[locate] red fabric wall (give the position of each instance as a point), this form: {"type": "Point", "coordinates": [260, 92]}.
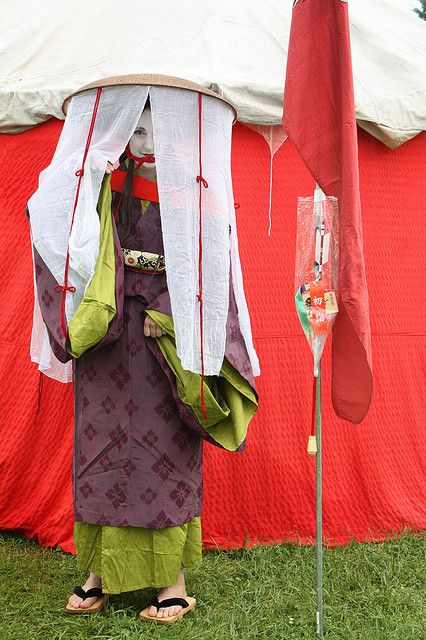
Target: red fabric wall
{"type": "Point", "coordinates": [373, 473]}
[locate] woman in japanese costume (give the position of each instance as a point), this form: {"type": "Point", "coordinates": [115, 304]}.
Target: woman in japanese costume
{"type": "Point", "coordinates": [139, 300]}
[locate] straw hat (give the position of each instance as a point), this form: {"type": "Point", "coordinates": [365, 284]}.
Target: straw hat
{"type": "Point", "coordinates": [148, 79]}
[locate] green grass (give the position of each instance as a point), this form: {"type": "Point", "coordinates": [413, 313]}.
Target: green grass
{"type": "Point", "coordinates": [372, 591]}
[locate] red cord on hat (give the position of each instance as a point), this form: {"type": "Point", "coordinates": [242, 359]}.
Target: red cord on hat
{"type": "Point", "coordinates": [139, 160]}
{"type": "Point", "coordinates": [80, 173]}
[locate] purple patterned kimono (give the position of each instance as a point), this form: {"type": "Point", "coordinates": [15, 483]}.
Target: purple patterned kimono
{"type": "Point", "coordinates": [137, 448]}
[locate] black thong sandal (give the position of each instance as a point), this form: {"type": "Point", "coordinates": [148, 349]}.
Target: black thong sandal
{"type": "Point", "coordinates": [90, 593]}
{"type": "Point", "coordinates": [187, 604]}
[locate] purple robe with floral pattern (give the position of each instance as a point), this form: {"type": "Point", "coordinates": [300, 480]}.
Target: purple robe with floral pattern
{"type": "Point", "coordinates": [137, 448]}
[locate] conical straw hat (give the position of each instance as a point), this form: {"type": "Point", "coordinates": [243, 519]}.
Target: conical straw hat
{"type": "Point", "coordinates": [149, 79]}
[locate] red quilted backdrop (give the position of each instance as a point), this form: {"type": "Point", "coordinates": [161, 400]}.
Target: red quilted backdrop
{"type": "Point", "coordinates": [374, 476]}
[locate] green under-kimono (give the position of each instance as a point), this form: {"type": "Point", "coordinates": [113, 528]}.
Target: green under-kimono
{"type": "Point", "coordinates": [133, 557]}
{"type": "Point", "coordinates": [130, 558]}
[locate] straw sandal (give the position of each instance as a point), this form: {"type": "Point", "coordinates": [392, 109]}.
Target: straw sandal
{"type": "Point", "coordinates": [90, 593]}
{"type": "Point", "coordinates": [186, 603]}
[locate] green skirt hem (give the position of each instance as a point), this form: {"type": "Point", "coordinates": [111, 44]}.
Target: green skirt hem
{"type": "Point", "coordinates": [136, 586]}
{"type": "Point", "coordinates": [131, 558]}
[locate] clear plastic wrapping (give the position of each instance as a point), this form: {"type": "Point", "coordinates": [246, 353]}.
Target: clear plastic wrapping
{"type": "Point", "coordinates": [317, 269]}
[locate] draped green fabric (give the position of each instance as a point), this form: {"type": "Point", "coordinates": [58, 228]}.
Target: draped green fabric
{"type": "Point", "coordinates": [90, 322]}
{"type": "Point", "coordinates": [130, 558]}
{"type": "Point", "coordinates": [230, 400]}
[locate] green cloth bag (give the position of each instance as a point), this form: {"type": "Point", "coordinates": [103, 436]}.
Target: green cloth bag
{"type": "Point", "coordinates": [230, 400]}
{"type": "Point", "coordinates": [92, 317]}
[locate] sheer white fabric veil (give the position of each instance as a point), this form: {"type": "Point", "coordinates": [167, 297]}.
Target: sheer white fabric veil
{"type": "Point", "coordinates": [175, 121]}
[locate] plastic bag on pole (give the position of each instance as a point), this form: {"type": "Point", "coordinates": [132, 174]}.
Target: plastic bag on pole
{"type": "Point", "coordinates": [317, 269]}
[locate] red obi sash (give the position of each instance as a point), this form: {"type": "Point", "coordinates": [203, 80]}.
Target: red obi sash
{"type": "Point", "coordinates": [142, 188]}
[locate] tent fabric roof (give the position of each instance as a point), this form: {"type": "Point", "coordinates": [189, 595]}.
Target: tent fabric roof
{"type": "Point", "coordinates": [237, 49]}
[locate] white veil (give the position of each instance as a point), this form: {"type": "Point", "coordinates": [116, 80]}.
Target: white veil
{"type": "Point", "coordinates": [175, 115]}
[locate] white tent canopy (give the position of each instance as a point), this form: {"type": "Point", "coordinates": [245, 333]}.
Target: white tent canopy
{"type": "Point", "coordinates": [236, 47]}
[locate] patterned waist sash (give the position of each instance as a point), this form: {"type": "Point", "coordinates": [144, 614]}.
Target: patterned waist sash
{"type": "Point", "coordinates": [143, 262]}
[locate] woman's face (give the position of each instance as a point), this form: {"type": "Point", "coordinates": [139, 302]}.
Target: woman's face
{"type": "Point", "coordinates": [142, 141]}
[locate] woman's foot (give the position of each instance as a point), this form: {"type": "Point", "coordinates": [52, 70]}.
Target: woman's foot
{"type": "Point", "coordinates": [177, 590]}
{"type": "Point", "coordinates": [92, 581]}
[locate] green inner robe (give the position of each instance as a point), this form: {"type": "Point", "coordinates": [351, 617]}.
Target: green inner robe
{"type": "Point", "coordinates": [129, 558]}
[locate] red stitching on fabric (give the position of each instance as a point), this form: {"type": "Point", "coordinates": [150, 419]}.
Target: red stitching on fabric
{"type": "Point", "coordinates": [202, 183]}
{"type": "Point", "coordinates": [80, 173]}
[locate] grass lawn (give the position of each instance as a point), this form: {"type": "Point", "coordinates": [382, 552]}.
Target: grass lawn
{"type": "Point", "coordinates": [371, 592]}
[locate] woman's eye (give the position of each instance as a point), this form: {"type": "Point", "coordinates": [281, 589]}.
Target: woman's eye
{"type": "Point", "coordinates": [139, 132]}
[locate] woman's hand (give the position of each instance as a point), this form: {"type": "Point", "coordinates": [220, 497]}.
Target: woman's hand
{"type": "Point", "coordinates": [151, 328]}
{"type": "Point", "coordinates": [110, 167]}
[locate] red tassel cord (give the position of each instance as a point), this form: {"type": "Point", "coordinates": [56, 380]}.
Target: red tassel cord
{"type": "Point", "coordinates": [80, 173]}
{"type": "Point", "coordinates": [312, 440]}
{"type": "Point", "coordinates": [202, 183]}
{"type": "Point", "coordinates": [314, 406]}
{"type": "Point", "coordinates": [139, 160]}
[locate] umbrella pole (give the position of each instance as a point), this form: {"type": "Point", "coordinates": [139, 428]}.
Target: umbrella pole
{"type": "Point", "coordinates": [319, 499]}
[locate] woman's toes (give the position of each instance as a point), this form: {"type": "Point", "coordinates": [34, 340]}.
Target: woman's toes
{"type": "Point", "coordinates": [87, 602]}
{"type": "Point", "coordinates": [164, 612]}
{"type": "Point", "coordinates": [74, 601]}
{"type": "Point", "coordinates": [167, 612]}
